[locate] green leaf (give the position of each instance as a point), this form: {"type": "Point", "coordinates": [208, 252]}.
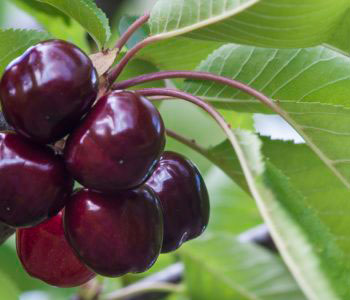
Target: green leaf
{"type": "Point", "coordinates": [139, 67]}
{"type": "Point", "coordinates": [231, 209]}
{"type": "Point", "coordinates": [339, 39]}
{"type": "Point", "coordinates": [3, 8]}
{"type": "Point", "coordinates": [219, 267]}
{"type": "Point", "coordinates": [313, 75]}
{"type": "Point", "coordinates": [266, 23]}
{"type": "Point", "coordinates": [326, 197]}
{"type": "Point", "coordinates": [238, 120]}
{"type": "Point", "coordinates": [178, 17]}
{"type": "Point", "coordinates": [54, 21]}
{"type": "Point", "coordinates": [179, 116]}
{"type": "Point", "coordinates": [315, 256]}
{"type": "Point", "coordinates": [14, 42]}
{"type": "Point", "coordinates": [178, 297]}
{"type": "Point", "coordinates": [178, 53]}
{"type": "Point", "coordinates": [223, 157]}
{"type": "Point", "coordinates": [8, 289]}
{"type": "Point", "coordinates": [137, 7]}
{"type": "Point", "coordinates": [88, 15]}
{"type": "Point", "coordinates": [311, 85]}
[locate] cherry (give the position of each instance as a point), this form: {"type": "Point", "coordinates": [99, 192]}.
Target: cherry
{"type": "Point", "coordinates": [5, 233]}
{"type": "Point", "coordinates": [47, 90]}
{"type": "Point", "coordinates": [34, 183]}
{"type": "Point", "coordinates": [118, 144]}
{"type": "Point", "coordinates": [115, 234]}
{"type": "Point", "coordinates": [45, 254]}
{"type": "Point", "coordinates": [183, 197]}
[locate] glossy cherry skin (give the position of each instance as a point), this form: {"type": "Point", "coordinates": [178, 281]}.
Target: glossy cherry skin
{"type": "Point", "coordinates": [115, 235]}
{"type": "Point", "coordinates": [183, 197]}
{"type": "Point", "coordinates": [118, 143]}
{"type": "Point", "coordinates": [45, 92]}
{"type": "Point", "coordinates": [5, 232]}
{"type": "Point", "coordinates": [34, 183]}
{"type": "Point", "coordinates": [45, 254]}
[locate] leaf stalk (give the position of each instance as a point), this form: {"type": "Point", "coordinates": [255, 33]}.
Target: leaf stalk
{"type": "Point", "coordinates": [130, 31]}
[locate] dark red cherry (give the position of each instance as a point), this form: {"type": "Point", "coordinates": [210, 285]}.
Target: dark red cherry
{"type": "Point", "coordinates": [118, 234]}
{"type": "Point", "coordinates": [45, 254]}
{"type": "Point", "coordinates": [5, 233]}
{"type": "Point", "coordinates": [47, 90]}
{"type": "Point", "coordinates": [34, 184]}
{"type": "Point", "coordinates": [118, 143]}
{"type": "Point", "coordinates": [183, 197]}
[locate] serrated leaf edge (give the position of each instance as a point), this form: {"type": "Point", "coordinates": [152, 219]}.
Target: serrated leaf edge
{"type": "Point", "coordinates": [253, 181]}
{"type": "Point", "coordinates": [101, 16]}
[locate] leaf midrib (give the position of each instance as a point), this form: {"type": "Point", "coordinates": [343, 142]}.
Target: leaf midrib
{"type": "Point", "coordinates": [205, 23]}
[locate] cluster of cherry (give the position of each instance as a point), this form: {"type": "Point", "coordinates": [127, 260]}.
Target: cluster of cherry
{"type": "Point", "coordinates": [137, 200]}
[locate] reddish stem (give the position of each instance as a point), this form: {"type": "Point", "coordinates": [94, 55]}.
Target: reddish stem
{"type": "Point", "coordinates": [221, 122]}
{"type": "Point", "coordinates": [185, 96]}
{"type": "Point", "coordinates": [131, 30]}
{"type": "Point", "coordinates": [197, 101]}
{"type": "Point", "coordinates": [118, 69]}
{"type": "Point", "coordinates": [200, 76]}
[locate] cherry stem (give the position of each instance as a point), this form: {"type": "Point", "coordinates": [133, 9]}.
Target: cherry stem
{"type": "Point", "coordinates": [193, 99]}
{"type": "Point", "coordinates": [118, 69]}
{"type": "Point", "coordinates": [213, 112]}
{"type": "Point", "coordinates": [131, 30]}
{"type": "Point", "coordinates": [200, 76]}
